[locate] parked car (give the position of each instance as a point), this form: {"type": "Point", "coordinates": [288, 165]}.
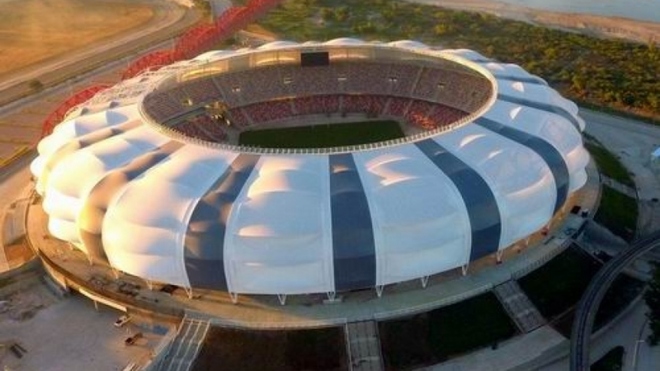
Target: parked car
{"type": "Point", "coordinates": [121, 321]}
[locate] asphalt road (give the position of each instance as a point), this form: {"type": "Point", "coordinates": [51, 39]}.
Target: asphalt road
{"type": "Point", "coordinates": [632, 142]}
{"type": "Point", "coordinates": [588, 306]}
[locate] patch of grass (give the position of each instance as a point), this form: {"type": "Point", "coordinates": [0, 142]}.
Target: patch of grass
{"type": "Point", "coordinates": [618, 213]}
{"type": "Point", "coordinates": [611, 361]}
{"type": "Point", "coordinates": [232, 349]}
{"type": "Point", "coordinates": [557, 286]}
{"type": "Point", "coordinates": [323, 136]}
{"type": "Point", "coordinates": [6, 282]}
{"type": "Point", "coordinates": [618, 297]}
{"type": "Point", "coordinates": [446, 332]}
{"type": "Point", "coordinates": [622, 292]}
{"type": "Point", "coordinates": [609, 165]}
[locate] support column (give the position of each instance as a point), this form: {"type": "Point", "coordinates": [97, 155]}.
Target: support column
{"type": "Point", "coordinates": [189, 292]}
{"type": "Point", "coordinates": [425, 281]}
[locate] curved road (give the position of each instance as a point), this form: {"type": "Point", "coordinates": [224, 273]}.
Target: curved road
{"type": "Point", "coordinates": [588, 306]}
{"type": "Point", "coordinates": [169, 20]}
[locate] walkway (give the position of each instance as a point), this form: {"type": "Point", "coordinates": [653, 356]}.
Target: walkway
{"type": "Point", "coordinates": [15, 188]}
{"type": "Point", "coordinates": [186, 345]}
{"type": "Point", "coordinates": [364, 346]}
{"type": "Point", "coordinates": [516, 303]}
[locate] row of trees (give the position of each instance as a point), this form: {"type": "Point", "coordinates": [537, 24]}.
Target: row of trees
{"type": "Point", "coordinates": [652, 298]}
{"type": "Point", "coordinates": [602, 72]}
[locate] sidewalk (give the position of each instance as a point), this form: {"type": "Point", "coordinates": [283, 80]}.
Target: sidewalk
{"type": "Point", "coordinates": [14, 251]}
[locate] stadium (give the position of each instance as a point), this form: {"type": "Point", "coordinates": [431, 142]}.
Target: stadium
{"type": "Point", "coordinates": [462, 157]}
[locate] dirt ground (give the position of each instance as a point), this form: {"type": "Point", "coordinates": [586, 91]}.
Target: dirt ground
{"type": "Point", "coordinates": [37, 320]}
{"type": "Point", "coordinates": [35, 30]}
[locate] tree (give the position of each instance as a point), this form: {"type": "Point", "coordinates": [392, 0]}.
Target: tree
{"type": "Point", "coordinates": [204, 6]}
{"type": "Point", "coordinates": [652, 298]}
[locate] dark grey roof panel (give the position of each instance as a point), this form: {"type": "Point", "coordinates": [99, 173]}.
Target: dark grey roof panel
{"type": "Point", "coordinates": [543, 107]}
{"type": "Point", "coordinates": [547, 151]}
{"type": "Point", "coordinates": [484, 215]}
{"type": "Point", "coordinates": [204, 241]}
{"type": "Point", "coordinates": [353, 246]}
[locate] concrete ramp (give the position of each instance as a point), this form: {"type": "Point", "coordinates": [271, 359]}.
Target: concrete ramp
{"type": "Point", "coordinates": [363, 343]}
{"type": "Point", "coordinates": [186, 345]}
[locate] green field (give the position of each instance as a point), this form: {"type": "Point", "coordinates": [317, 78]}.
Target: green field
{"type": "Point", "coordinates": [323, 136]}
{"type": "Point", "coordinates": [443, 333]}
{"type": "Point", "coordinates": [608, 164]}
{"type": "Point", "coordinates": [611, 361]}
{"type": "Point", "coordinates": [553, 296]}
{"type": "Point", "coordinates": [618, 213]}
{"type": "Point", "coordinates": [284, 350]}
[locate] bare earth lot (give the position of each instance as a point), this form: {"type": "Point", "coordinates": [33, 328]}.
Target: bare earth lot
{"type": "Point", "coordinates": [35, 30]}
{"type": "Point", "coordinates": [49, 40]}
{"type": "Point", "coordinates": [64, 334]}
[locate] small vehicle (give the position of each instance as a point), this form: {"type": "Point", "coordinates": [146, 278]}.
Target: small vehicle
{"type": "Point", "coordinates": [132, 339]}
{"type": "Point", "coordinates": [121, 321]}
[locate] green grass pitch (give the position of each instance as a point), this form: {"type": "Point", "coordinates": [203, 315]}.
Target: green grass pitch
{"type": "Point", "coordinates": [323, 135]}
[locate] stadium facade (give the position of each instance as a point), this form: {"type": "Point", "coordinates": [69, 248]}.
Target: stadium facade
{"type": "Point", "coordinates": [147, 176]}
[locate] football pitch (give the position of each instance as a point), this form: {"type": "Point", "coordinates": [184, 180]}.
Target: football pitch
{"type": "Point", "coordinates": [323, 136]}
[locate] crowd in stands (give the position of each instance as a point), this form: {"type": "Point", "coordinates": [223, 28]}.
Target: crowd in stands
{"type": "Point", "coordinates": [162, 106]}
{"type": "Point", "coordinates": [202, 91]}
{"type": "Point", "coordinates": [237, 117]}
{"type": "Point", "coordinates": [317, 104]}
{"type": "Point", "coordinates": [430, 82]}
{"type": "Point", "coordinates": [264, 83]}
{"type": "Point", "coordinates": [277, 92]}
{"type": "Point", "coordinates": [372, 105]}
{"type": "Point", "coordinates": [472, 94]}
{"type": "Point", "coordinates": [443, 115]}
{"type": "Point", "coordinates": [269, 111]}
{"type": "Point", "coordinates": [418, 115]}
{"type": "Point", "coordinates": [368, 78]}
{"type": "Point", "coordinates": [397, 106]}
{"type": "Point", "coordinates": [203, 127]}
{"type": "Point", "coordinates": [311, 80]}
{"type": "Point", "coordinates": [403, 78]}
{"type": "Point", "coordinates": [422, 114]}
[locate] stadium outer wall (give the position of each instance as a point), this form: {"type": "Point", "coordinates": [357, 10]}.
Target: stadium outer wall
{"type": "Point", "coordinates": [283, 222]}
